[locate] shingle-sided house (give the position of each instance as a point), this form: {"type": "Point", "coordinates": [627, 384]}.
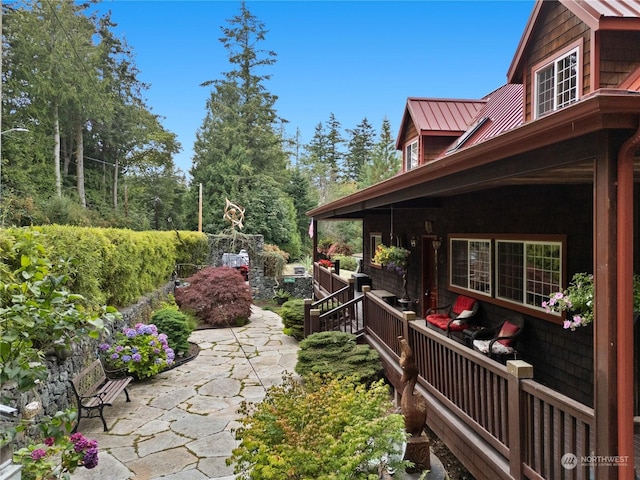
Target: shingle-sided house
{"type": "Point", "coordinates": [502, 199]}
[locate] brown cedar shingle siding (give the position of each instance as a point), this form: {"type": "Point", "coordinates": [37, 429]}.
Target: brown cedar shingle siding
{"type": "Point", "coordinates": [433, 147]}
{"type": "Point", "coordinates": [619, 55]}
{"type": "Point", "coordinates": [555, 29]}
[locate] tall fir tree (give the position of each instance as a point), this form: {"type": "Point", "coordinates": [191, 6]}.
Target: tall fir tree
{"type": "Point", "coordinates": [241, 144]}
{"type": "Point", "coordinates": [384, 162]}
{"type": "Point", "coordinates": [361, 142]}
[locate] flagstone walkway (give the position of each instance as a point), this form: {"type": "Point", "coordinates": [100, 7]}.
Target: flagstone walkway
{"type": "Point", "coordinates": [179, 424]}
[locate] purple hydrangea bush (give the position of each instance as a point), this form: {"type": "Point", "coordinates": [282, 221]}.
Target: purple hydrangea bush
{"type": "Point", "coordinates": [142, 351]}
{"type": "Point", "coordinates": [60, 453]}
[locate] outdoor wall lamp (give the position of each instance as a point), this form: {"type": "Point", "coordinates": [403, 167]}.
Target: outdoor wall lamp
{"type": "Point", "coordinates": [413, 241]}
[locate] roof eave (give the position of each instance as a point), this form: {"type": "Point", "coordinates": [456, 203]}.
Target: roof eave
{"type": "Point", "coordinates": [586, 116]}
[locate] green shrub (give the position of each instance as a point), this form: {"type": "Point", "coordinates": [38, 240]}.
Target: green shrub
{"type": "Point", "coordinates": [320, 429]}
{"type": "Point", "coordinates": [292, 313]}
{"type": "Point", "coordinates": [346, 262]}
{"type": "Point", "coordinates": [118, 266]}
{"type": "Point", "coordinates": [338, 354]}
{"type": "Point", "coordinates": [175, 325]}
{"type": "Point", "coordinates": [38, 314]}
{"type": "Point", "coordinates": [217, 296]}
{"type": "Point", "coordinates": [274, 260]}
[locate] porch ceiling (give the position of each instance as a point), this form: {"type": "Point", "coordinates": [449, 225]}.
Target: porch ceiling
{"type": "Point", "coordinates": [558, 149]}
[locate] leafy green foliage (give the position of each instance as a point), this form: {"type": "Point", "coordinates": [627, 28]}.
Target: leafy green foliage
{"type": "Point", "coordinates": [37, 311]}
{"type": "Point", "coordinates": [274, 260]}
{"type": "Point", "coordinates": [338, 354]}
{"type": "Point", "coordinates": [95, 86]}
{"type": "Point", "coordinates": [217, 296]}
{"type": "Point", "coordinates": [320, 429]}
{"type": "Point", "coordinates": [175, 325]}
{"type": "Point", "coordinates": [238, 149]}
{"type": "Point", "coordinates": [292, 313]}
{"type": "Point", "coordinates": [346, 262]}
{"type": "Point", "coordinates": [117, 266]}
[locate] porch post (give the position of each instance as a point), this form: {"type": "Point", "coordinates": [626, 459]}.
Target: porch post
{"type": "Point", "coordinates": [307, 317]}
{"type": "Point", "coordinates": [604, 332]}
{"type": "Point", "coordinates": [406, 318]}
{"type": "Point", "coordinates": [625, 264]}
{"type": "Point", "coordinates": [315, 320]}
{"type": "Point", "coordinates": [517, 370]}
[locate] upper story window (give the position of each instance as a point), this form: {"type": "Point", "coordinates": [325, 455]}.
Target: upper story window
{"type": "Point", "coordinates": [556, 83]}
{"type": "Point", "coordinates": [411, 155]}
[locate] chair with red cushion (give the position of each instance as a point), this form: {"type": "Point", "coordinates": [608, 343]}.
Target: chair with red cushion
{"type": "Point", "coordinates": [456, 316]}
{"type": "Point", "coordinates": [500, 341]}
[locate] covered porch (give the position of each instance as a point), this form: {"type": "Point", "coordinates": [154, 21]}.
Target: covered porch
{"type": "Point", "coordinates": [569, 176]}
{"type": "Point", "coordinates": [494, 417]}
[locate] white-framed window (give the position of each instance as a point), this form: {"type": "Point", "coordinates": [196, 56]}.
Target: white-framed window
{"type": "Point", "coordinates": [411, 158]}
{"type": "Point", "coordinates": [470, 265]}
{"type": "Point", "coordinates": [375, 239]}
{"type": "Point", "coordinates": [556, 83]}
{"type": "Point", "coordinates": [528, 271]}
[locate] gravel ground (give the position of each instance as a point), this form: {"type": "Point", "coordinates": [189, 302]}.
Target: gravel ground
{"type": "Point", "coordinates": [455, 470]}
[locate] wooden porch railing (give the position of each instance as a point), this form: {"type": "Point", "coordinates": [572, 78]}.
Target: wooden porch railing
{"type": "Point", "coordinates": [326, 281]}
{"type": "Point", "coordinates": [508, 425]}
{"type": "Point", "coordinates": [496, 419]}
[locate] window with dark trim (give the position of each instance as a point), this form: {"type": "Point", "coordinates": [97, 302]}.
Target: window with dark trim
{"type": "Point", "coordinates": [527, 272]}
{"type": "Point", "coordinates": [514, 271]}
{"type": "Point", "coordinates": [471, 264]}
{"type": "Point", "coordinates": [375, 239]}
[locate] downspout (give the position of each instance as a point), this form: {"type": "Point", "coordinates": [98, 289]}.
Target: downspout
{"type": "Point", "coordinates": [624, 327]}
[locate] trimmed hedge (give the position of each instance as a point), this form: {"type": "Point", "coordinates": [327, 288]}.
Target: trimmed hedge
{"type": "Point", "coordinates": [116, 266]}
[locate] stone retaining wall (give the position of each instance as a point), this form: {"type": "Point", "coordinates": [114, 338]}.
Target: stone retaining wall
{"type": "Point", "coordinates": [55, 394]}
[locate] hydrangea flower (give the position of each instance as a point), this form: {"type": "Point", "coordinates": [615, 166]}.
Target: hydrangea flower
{"type": "Point", "coordinates": [141, 351]}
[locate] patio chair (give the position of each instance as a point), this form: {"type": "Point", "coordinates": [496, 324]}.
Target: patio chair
{"type": "Point", "coordinates": [500, 341]}
{"type": "Point", "coordinates": [456, 316]}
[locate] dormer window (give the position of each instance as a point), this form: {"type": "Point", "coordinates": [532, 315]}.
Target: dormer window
{"type": "Point", "coordinates": [556, 83]}
{"type": "Point", "coordinates": [411, 155]}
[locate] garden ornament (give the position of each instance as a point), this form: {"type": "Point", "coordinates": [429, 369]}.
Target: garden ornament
{"type": "Point", "coordinates": [414, 410]}
{"type": "Point", "coordinates": [233, 214]}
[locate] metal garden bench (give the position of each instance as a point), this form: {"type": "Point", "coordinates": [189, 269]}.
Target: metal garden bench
{"type": "Point", "coordinates": [94, 391]}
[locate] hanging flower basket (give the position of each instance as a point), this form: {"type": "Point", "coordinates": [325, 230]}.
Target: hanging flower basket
{"type": "Point", "coordinates": [577, 300]}
{"type": "Point", "coordinates": [392, 258]}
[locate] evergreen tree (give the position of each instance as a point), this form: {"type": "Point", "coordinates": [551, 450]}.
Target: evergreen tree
{"type": "Point", "coordinates": [299, 190]}
{"type": "Point", "coordinates": [239, 137]}
{"type": "Point", "coordinates": [385, 161]}
{"type": "Point", "coordinates": [359, 152]}
{"type": "Point", "coordinates": [335, 141]}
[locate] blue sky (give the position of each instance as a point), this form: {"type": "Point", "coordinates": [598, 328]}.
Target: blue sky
{"type": "Point", "coordinates": [355, 59]}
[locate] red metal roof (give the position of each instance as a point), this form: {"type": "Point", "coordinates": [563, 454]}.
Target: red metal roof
{"type": "Point", "coordinates": [439, 116]}
{"type": "Point", "coordinates": [503, 109]}
{"type": "Point", "coordinates": [597, 14]}
{"type": "Point", "coordinates": [632, 81]}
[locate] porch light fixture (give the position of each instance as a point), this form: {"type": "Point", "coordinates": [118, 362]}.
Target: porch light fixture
{"type": "Point", "coordinates": [414, 241]}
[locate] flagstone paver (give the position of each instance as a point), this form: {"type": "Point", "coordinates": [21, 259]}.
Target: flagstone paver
{"type": "Point", "coordinates": [179, 424]}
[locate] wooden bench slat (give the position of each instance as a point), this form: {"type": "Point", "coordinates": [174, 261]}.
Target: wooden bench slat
{"type": "Point", "coordinates": [94, 390]}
